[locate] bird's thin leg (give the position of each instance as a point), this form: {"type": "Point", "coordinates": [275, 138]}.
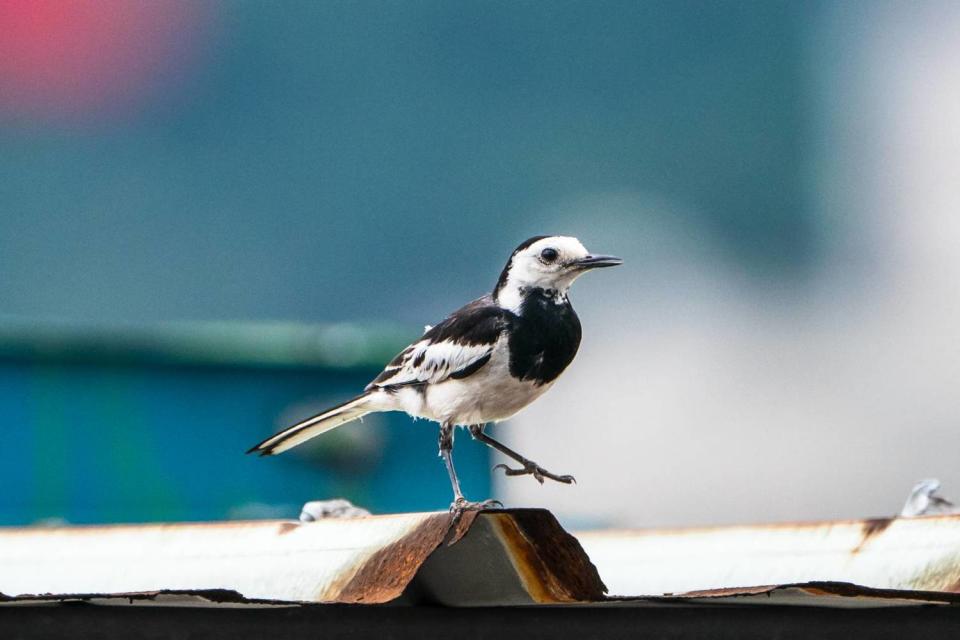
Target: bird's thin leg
{"type": "Point", "coordinates": [446, 452]}
{"type": "Point", "coordinates": [460, 503]}
{"type": "Point", "coordinates": [529, 466]}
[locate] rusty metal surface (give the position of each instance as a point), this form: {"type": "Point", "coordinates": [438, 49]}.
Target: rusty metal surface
{"type": "Point", "coordinates": [495, 558]}
{"type": "Point", "coordinates": [212, 598]}
{"type": "Point", "coordinates": [905, 554]}
{"type": "Point", "coordinates": [346, 560]}
{"type": "Point", "coordinates": [515, 557]}
{"type": "Point", "coordinates": [821, 594]}
{"type": "Point", "coordinates": [324, 561]}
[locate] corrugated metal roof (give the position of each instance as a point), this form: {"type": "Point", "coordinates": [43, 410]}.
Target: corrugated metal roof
{"type": "Point", "coordinates": [503, 557]}
{"type": "Point", "coordinates": [912, 554]}
{"type": "Point", "coordinates": [517, 557]}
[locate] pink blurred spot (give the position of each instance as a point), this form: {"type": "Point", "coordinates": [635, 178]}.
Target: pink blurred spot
{"type": "Point", "coordinates": [83, 60]}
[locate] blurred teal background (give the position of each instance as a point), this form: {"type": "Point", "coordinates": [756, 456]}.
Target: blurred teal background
{"type": "Point", "coordinates": [317, 161]}
{"type": "Point", "coordinates": [202, 203]}
{"type": "Point", "coordinates": [322, 162]}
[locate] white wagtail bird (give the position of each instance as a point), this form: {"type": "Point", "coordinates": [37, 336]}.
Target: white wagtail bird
{"type": "Point", "coordinates": [484, 363]}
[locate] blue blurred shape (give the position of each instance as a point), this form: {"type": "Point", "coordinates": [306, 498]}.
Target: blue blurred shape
{"type": "Point", "coordinates": [134, 424]}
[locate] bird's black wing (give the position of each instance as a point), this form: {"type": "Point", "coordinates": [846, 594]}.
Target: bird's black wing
{"type": "Point", "coordinates": [456, 348]}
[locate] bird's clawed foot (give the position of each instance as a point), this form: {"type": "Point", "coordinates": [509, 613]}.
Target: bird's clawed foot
{"type": "Point", "coordinates": [461, 504]}
{"type": "Point", "coordinates": [533, 469]}
{"type": "Point", "coordinates": [458, 509]}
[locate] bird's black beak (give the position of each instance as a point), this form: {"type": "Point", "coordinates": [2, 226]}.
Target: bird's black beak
{"type": "Point", "coordinates": [595, 262]}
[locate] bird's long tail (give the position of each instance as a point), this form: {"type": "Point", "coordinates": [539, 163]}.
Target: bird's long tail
{"type": "Point", "coordinates": [320, 423]}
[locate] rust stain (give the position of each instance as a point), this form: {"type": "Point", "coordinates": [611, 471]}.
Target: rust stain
{"type": "Point", "coordinates": [953, 587]}
{"type": "Point", "coordinates": [820, 589]}
{"type": "Point", "coordinates": [851, 590]}
{"type": "Point", "coordinates": [386, 573]}
{"type": "Point", "coordinates": [727, 592]}
{"type": "Point", "coordinates": [550, 562]}
{"type": "Point", "coordinates": [215, 596]}
{"type": "Point", "coordinates": [459, 526]}
{"type": "Point", "coordinates": [871, 528]}
{"type": "Point", "coordinates": [942, 574]}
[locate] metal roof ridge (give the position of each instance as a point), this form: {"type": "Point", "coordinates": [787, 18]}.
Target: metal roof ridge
{"type": "Point", "coordinates": [523, 555]}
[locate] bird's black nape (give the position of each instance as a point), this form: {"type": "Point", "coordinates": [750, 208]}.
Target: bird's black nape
{"type": "Point", "coordinates": [502, 280]}
{"type": "Point", "coordinates": [526, 243]}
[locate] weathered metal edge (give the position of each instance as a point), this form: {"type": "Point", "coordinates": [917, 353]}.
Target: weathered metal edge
{"type": "Point", "coordinates": [819, 589]}
{"type": "Point", "coordinates": [813, 594]}
{"type": "Point", "coordinates": [370, 560]}
{"type": "Point", "coordinates": [164, 597]}
{"type": "Point", "coordinates": [920, 554]}
{"type": "Point", "coordinates": [532, 554]}
{"type": "Point", "coordinates": [550, 561]}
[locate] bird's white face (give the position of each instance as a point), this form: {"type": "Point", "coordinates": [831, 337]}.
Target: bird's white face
{"type": "Point", "coordinates": [551, 264]}
{"type": "Point", "coordinates": [545, 263]}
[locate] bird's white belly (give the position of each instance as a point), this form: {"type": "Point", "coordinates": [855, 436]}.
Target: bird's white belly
{"type": "Point", "coordinates": [463, 403]}
{"type": "Point", "coordinates": [489, 395]}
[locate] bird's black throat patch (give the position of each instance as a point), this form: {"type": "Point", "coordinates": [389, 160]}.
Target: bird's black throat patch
{"type": "Point", "coordinates": [544, 337]}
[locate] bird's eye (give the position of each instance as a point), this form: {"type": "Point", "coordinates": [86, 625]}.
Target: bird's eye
{"type": "Point", "coordinates": [548, 255]}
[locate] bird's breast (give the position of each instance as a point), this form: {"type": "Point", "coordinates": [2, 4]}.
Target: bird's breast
{"type": "Point", "coordinates": [544, 339]}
